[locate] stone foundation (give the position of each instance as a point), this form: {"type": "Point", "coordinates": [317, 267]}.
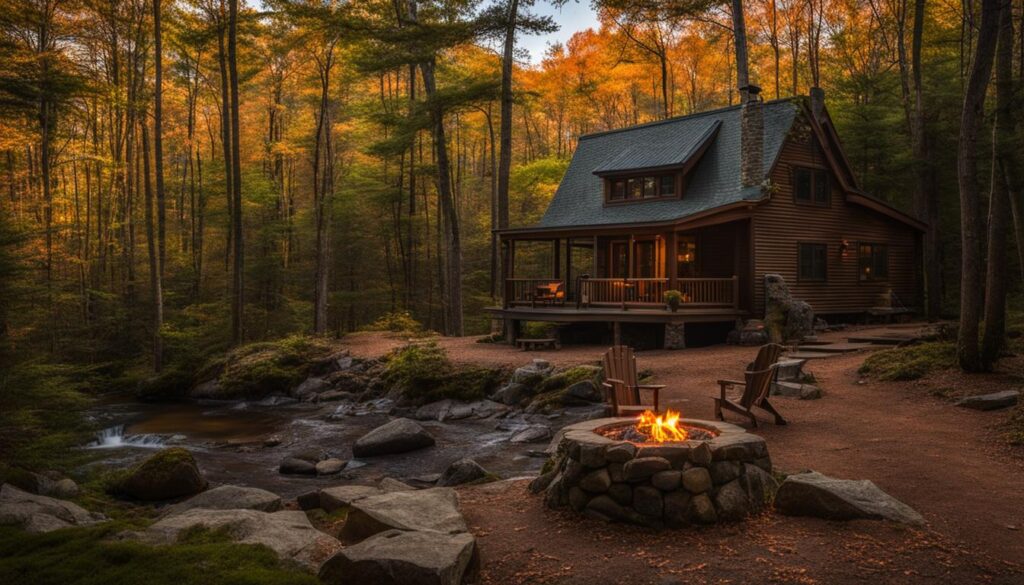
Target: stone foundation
{"type": "Point", "coordinates": [672, 484]}
{"type": "Point", "coordinates": [675, 336]}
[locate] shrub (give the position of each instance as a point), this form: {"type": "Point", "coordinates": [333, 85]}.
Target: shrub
{"type": "Point", "coordinates": [536, 330]}
{"type": "Point", "coordinates": [911, 362]}
{"type": "Point", "coordinates": [423, 373]}
{"type": "Point", "coordinates": [396, 322]}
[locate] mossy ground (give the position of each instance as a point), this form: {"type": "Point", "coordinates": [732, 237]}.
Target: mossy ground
{"type": "Point", "coordinates": [911, 362]}
{"type": "Point", "coordinates": [423, 373]}
{"type": "Point", "coordinates": [398, 322]}
{"type": "Point", "coordinates": [88, 556]}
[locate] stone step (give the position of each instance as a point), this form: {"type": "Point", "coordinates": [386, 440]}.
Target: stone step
{"type": "Point", "coordinates": [835, 347]}
{"type": "Point", "coordinates": [881, 339]}
{"type": "Point", "coordinates": [809, 355]}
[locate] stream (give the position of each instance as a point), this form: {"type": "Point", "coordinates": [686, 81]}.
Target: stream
{"type": "Point", "coordinates": [227, 440]}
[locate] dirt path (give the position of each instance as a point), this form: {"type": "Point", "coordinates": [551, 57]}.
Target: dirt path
{"type": "Point", "coordinates": [940, 459]}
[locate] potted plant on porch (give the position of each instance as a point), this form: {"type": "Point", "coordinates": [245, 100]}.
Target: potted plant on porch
{"type": "Point", "coordinates": [673, 299]}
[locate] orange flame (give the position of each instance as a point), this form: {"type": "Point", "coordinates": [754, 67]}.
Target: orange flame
{"type": "Point", "coordinates": [661, 428]}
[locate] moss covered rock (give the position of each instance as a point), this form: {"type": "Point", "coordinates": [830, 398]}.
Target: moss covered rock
{"type": "Point", "coordinates": [422, 373]}
{"type": "Point", "coordinates": [253, 371]}
{"type": "Point", "coordinates": [171, 473]}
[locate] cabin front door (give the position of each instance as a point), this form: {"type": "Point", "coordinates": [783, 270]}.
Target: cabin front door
{"type": "Point", "coordinates": [645, 260]}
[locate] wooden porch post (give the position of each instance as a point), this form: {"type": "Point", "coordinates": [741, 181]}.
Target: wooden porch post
{"type": "Point", "coordinates": [506, 268]}
{"type": "Point", "coordinates": [568, 268]}
{"type": "Point", "coordinates": [593, 271]}
{"type": "Point", "coordinates": [670, 256]}
{"type": "Point", "coordinates": [556, 257]}
{"type": "Point", "coordinates": [616, 333]}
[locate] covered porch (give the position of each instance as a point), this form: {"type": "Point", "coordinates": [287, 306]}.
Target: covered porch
{"type": "Point", "coordinates": [619, 269]}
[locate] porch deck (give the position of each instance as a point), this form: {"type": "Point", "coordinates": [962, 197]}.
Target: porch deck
{"type": "Point", "coordinates": [570, 314]}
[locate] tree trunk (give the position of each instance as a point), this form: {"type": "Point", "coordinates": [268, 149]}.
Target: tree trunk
{"type": "Point", "coordinates": [158, 133]}
{"type": "Point", "coordinates": [237, 283]}
{"type": "Point", "coordinates": [225, 132]}
{"type": "Point", "coordinates": [453, 257]}
{"type": "Point", "coordinates": [971, 119]}
{"type": "Point", "coordinates": [996, 281]}
{"type": "Point", "coordinates": [505, 130]}
{"type": "Point", "coordinates": [155, 281]}
{"type": "Point", "coordinates": [158, 152]}
{"type": "Point", "coordinates": [323, 194]}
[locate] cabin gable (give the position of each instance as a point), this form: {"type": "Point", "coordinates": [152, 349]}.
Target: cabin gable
{"type": "Point", "coordinates": [783, 224]}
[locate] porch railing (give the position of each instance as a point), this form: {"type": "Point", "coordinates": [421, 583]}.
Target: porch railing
{"type": "Point", "coordinates": [715, 292]}
{"type": "Point", "coordinates": [623, 292]}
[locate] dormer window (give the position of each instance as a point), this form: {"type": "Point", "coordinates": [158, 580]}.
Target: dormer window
{"type": "Point", "coordinates": [642, 187]}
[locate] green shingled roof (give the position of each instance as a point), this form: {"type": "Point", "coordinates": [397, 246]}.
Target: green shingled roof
{"type": "Point", "coordinates": [714, 182]}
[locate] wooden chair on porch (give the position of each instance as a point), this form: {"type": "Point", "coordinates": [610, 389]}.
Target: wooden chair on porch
{"type": "Point", "coordinates": [551, 293]}
{"type": "Point", "coordinates": [756, 385]}
{"type": "Point", "coordinates": [621, 385]}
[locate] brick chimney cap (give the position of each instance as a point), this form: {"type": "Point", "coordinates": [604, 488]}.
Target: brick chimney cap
{"type": "Point", "coordinates": [751, 89]}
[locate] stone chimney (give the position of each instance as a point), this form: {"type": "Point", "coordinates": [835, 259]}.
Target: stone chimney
{"type": "Point", "coordinates": [817, 102]}
{"type": "Point", "coordinates": [752, 138]}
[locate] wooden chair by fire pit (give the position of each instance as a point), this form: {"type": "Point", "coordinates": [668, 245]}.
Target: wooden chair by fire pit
{"type": "Point", "coordinates": [621, 385]}
{"type": "Point", "coordinates": [756, 385]}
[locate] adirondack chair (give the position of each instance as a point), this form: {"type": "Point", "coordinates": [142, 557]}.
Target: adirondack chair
{"type": "Point", "coordinates": [621, 385]}
{"type": "Point", "coordinates": [757, 383]}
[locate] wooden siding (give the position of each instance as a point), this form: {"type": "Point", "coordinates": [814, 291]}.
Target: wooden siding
{"type": "Point", "coordinates": [780, 225]}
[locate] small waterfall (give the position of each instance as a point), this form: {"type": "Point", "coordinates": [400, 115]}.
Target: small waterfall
{"type": "Point", "coordinates": [113, 437]}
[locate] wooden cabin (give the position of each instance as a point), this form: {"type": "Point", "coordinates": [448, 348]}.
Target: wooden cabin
{"type": "Point", "coordinates": [707, 205]}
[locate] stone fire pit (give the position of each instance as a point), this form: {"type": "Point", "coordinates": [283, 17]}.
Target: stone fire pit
{"type": "Point", "coordinates": [720, 473]}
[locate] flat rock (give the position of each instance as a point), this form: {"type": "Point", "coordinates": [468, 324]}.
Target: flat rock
{"type": "Point", "coordinates": [34, 513]}
{"type": "Point", "coordinates": [396, 557]}
{"type": "Point", "coordinates": [330, 466]}
{"type": "Point", "coordinates": [288, 532]}
{"type": "Point", "coordinates": [433, 509]}
{"type": "Point", "coordinates": [434, 411]}
{"type": "Point", "coordinates": [335, 498]}
{"type": "Point", "coordinates": [230, 497]}
{"type": "Point", "coordinates": [296, 466]}
{"type": "Point", "coordinates": [398, 436]}
{"type": "Point", "coordinates": [464, 470]}
{"type": "Point", "coordinates": [390, 484]}
{"type": "Point", "coordinates": [814, 494]}
{"type": "Point", "coordinates": [531, 434]}
{"type": "Point", "coordinates": [993, 401]}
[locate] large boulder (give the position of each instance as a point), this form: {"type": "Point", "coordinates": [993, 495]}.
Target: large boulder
{"type": "Point", "coordinates": [464, 470]}
{"type": "Point", "coordinates": [230, 497]}
{"type": "Point", "coordinates": [171, 473]}
{"type": "Point", "coordinates": [814, 494]}
{"type": "Point", "coordinates": [287, 532]}
{"type": "Point", "coordinates": [785, 318]}
{"type": "Point", "coordinates": [513, 394]}
{"type": "Point", "coordinates": [434, 510]}
{"type": "Point", "coordinates": [531, 375]}
{"type": "Point", "coordinates": [398, 436]}
{"type": "Point", "coordinates": [396, 557]}
{"type": "Point", "coordinates": [35, 513]}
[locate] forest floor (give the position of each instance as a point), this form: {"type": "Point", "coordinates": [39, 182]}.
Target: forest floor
{"type": "Point", "coordinates": [947, 462]}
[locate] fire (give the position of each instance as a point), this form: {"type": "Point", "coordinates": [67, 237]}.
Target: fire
{"type": "Point", "coordinates": [661, 428]}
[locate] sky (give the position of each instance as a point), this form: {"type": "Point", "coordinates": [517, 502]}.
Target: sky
{"type": "Point", "coordinates": [574, 16]}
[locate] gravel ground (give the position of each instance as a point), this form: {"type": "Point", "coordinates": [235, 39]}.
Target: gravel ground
{"type": "Point", "coordinates": [946, 462]}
